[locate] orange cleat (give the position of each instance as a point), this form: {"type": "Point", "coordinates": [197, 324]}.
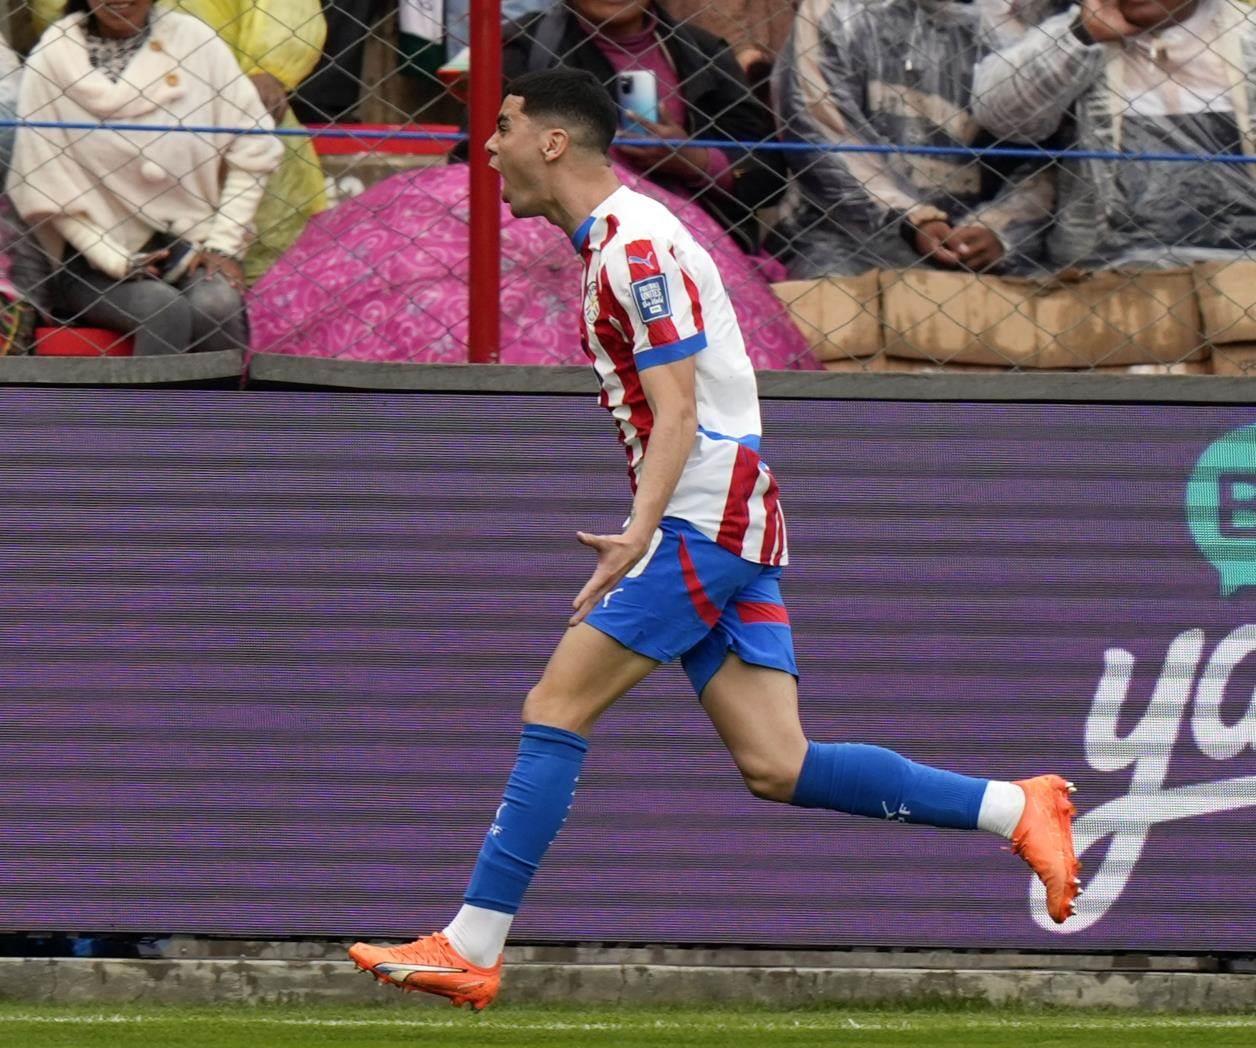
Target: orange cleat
{"type": "Point", "coordinates": [1044, 839]}
{"type": "Point", "coordinates": [432, 965]}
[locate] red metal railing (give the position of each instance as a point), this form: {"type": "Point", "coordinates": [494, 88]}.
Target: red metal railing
{"type": "Point", "coordinates": [483, 101]}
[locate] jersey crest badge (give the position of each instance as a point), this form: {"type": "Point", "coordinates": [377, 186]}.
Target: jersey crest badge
{"type": "Point", "coordinates": [591, 302]}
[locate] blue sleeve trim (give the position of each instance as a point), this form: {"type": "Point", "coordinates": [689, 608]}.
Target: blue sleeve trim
{"type": "Point", "coordinates": [669, 354]}
{"type": "Point", "coordinates": [750, 440]}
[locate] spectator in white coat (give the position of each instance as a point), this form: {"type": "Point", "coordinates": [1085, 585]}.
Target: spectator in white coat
{"type": "Point", "coordinates": [148, 228]}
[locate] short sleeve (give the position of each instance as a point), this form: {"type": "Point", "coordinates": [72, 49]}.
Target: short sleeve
{"type": "Point", "coordinates": [659, 300]}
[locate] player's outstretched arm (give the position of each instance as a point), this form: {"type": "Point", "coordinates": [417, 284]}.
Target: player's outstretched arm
{"type": "Point", "coordinates": [669, 390]}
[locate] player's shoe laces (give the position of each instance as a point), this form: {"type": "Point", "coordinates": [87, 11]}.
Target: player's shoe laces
{"type": "Point", "coordinates": [1044, 839]}
{"type": "Point", "coordinates": [432, 965]}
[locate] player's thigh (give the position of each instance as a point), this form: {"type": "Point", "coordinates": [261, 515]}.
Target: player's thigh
{"type": "Point", "coordinates": [586, 674]}
{"type": "Point", "coordinates": [755, 711]}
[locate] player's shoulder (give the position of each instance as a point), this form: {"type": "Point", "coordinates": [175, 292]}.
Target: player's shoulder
{"type": "Point", "coordinates": [636, 217]}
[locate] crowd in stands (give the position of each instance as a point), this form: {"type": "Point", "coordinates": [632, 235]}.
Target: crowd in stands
{"type": "Point", "coordinates": [898, 72]}
{"type": "Point", "coordinates": [702, 94]}
{"type": "Point", "coordinates": [120, 216]}
{"type": "Point", "coordinates": [1140, 76]}
{"type": "Point", "coordinates": [161, 235]}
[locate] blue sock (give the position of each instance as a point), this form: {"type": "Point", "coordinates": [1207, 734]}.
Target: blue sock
{"type": "Point", "coordinates": [535, 805]}
{"type": "Point", "coordinates": [878, 783]}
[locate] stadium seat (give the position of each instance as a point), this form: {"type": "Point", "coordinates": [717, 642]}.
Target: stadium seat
{"type": "Point", "coordinates": [82, 342]}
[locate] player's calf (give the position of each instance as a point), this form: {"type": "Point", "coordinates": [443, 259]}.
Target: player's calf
{"type": "Point", "coordinates": [1035, 814]}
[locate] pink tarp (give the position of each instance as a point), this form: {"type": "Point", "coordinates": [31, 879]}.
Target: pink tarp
{"type": "Point", "coordinates": [383, 276]}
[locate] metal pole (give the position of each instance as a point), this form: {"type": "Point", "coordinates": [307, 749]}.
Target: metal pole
{"type": "Point", "coordinates": [484, 99]}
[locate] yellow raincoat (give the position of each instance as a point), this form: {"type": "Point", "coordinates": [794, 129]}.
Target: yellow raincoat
{"type": "Point", "coordinates": [285, 39]}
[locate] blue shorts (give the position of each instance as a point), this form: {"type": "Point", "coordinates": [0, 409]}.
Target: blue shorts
{"type": "Point", "coordinates": [691, 599]}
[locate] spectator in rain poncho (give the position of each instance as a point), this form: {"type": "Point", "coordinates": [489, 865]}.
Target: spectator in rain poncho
{"type": "Point", "coordinates": [1162, 76]}
{"type": "Point", "coordinates": [897, 72]}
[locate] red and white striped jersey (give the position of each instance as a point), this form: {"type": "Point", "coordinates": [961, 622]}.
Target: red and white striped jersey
{"type": "Point", "coordinates": [652, 295]}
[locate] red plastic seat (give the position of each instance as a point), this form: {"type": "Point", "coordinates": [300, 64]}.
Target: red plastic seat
{"type": "Point", "coordinates": [378, 138]}
{"type": "Point", "coordinates": [82, 342]}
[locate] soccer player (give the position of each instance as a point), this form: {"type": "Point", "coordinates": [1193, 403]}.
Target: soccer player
{"type": "Point", "coordinates": [695, 574]}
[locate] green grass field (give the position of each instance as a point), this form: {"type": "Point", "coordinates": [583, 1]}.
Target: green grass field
{"type": "Point", "coordinates": [523, 1026]}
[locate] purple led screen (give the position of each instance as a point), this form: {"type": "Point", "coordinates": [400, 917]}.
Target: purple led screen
{"type": "Point", "coordinates": [262, 655]}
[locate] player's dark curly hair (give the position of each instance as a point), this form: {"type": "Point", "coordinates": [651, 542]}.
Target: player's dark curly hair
{"type": "Point", "coordinates": [575, 99]}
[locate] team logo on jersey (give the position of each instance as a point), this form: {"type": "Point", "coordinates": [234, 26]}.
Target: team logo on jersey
{"type": "Point", "coordinates": [590, 302]}
{"type": "Point", "coordinates": [652, 298]}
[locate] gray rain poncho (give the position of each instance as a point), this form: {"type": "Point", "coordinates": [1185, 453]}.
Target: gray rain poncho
{"type": "Point", "coordinates": [893, 72]}
{"type": "Point", "coordinates": [1188, 89]}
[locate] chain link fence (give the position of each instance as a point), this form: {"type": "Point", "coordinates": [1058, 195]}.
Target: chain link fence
{"type": "Point", "coordinates": [886, 185]}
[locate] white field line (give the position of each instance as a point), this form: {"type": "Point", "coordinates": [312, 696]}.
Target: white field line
{"type": "Point", "coordinates": [1116, 1023]}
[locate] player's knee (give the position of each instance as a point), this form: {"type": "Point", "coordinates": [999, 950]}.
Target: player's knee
{"type": "Point", "coordinates": [546, 706]}
{"type": "Point", "coordinates": [536, 705]}
{"type": "Point", "coordinates": [771, 782]}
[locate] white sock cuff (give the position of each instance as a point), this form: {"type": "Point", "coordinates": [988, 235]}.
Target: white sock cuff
{"type": "Point", "coordinates": [1002, 806]}
{"type": "Point", "coordinates": [479, 934]}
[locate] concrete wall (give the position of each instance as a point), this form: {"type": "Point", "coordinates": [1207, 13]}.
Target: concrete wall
{"type": "Point", "coordinates": [585, 978]}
